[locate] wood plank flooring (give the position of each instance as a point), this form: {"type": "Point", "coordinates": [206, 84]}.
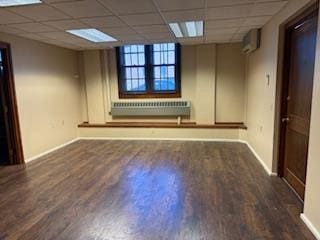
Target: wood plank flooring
{"type": "Point", "coordinates": [147, 190]}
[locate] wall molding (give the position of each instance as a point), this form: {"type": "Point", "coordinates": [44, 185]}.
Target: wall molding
{"type": "Point", "coordinates": [311, 227]}
{"type": "Point", "coordinates": [50, 150]}
{"type": "Point", "coordinates": [161, 139]}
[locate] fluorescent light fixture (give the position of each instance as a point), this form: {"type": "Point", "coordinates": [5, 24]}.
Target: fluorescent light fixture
{"type": "Point", "coordinates": [187, 29]}
{"type": "Point", "coordinates": [176, 29]}
{"type": "Point", "coordinates": [10, 3]}
{"type": "Point", "coordinates": [92, 35]}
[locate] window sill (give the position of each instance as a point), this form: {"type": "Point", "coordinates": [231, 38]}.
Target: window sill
{"type": "Point", "coordinates": [152, 95]}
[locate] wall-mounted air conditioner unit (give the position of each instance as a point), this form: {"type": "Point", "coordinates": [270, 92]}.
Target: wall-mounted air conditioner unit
{"type": "Point", "coordinates": [164, 108]}
{"type": "Point", "coordinates": [251, 41]}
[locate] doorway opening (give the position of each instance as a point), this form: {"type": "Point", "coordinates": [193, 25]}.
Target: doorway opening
{"type": "Point", "coordinates": [10, 139]}
{"type": "Point", "coordinates": [296, 98]}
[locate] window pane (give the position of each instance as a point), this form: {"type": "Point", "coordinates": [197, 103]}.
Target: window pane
{"type": "Point", "coordinates": [141, 59]}
{"type": "Point", "coordinates": [142, 85]}
{"type": "Point", "coordinates": [127, 60]}
{"type": "Point", "coordinates": [172, 57]}
{"type": "Point", "coordinates": [164, 58]}
{"type": "Point", "coordinates": [171, 84]}
{"type": "Point", "coordinates": [157, 85]}
{"type": "Point", "coordinates": [135, 85]}
{"type": "Point", "coordinates": [126, 49]}
{"type": "Point", "coordinates": [134, 48]}
{"type": "Point", "coordinates": [157, 72]}
{"type": "Point", "coordinates": [128, 85]}
{"type": "Point", "coordinates": [171, 46]}
{"type": "Point", "coordinates": [156, 47]}
{"type": "Point", "coordinates": [134, 59]}
{"type": "Point", "coordinates": [141, 73]}
{"type": "Point", "coordinates": [171, 73]}
{"type": "Point", "coordinates": [128, 73]}
{"type": "Point", "coordinates": [141, 48]}
{"type": "Point", "coordinates": [134, 72]}
{"type": "Point", "coordinates": [164, 72]}
{"type": "Point", "coordinates": [156, 57]}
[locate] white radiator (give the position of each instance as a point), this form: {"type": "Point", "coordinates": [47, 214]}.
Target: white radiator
{"type": "Point", "coordinates": [147, 108]}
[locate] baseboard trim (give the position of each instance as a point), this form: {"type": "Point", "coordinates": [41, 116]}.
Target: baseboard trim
{"type": "Point", "coordinates": [162, 139]}
{"type": "Point", "coordinates": [51, 150]}
{"type": "Point", "coordinates": [311, 227]}
{"type": "Point", "coordinates": [266, 168]}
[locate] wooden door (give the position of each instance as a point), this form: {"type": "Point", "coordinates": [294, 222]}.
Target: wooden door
{"type": "Point", "coordinates": [9, 118]}
{"type": "Point", "coordinates": [4, 148]}
{"type": "Point", "coordinates": [299, 72]}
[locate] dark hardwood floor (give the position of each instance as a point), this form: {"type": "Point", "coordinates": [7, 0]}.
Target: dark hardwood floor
{"type": "Point", "coordinates": [147, 190]}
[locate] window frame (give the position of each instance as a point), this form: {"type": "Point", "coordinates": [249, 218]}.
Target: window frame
{"type": "Point", "coordinates": [149, 75]}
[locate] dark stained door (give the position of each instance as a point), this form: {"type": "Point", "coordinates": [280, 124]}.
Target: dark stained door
{"type": "Point", "coordinates": [300, 60]}
{"type": "Point", "coordinates": [4, 149]}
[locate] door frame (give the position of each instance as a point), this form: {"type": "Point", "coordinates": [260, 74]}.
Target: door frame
{"type": "Point", "coordinates": [13, 128]}
{"type": "Point", "coordinates": [283, 81]}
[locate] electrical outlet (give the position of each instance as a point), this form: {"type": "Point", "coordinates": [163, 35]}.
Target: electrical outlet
{"type": "Point", "coordinates": [268, 79]}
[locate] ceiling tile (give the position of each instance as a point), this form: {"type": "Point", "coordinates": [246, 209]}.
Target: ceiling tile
{"type": "Point", "coordinates": [33, 27]}
{"type": "Point", "coordinates": [118, 31]}
{"type": "Point", "coordinates": [268, 8]}
{"type": "Point", "coordinates": [219, 39]}
{"type": "Point", "coordinates": [169, 5]}
{"type": "Point", "coordinates": [66, 24]}
{"type": "Point", "coordinates": [9, 17]}
{"type": "Point", "coordinates": [246, 29]}
{"type": "Point", "coordinates": [100, 22]}
{"type": "Point", "coordinates": [131, 37]}
{"type": "Point", "coordinates": [191, 41]}
{"type": "Point", "coordinates": [63, 36]}
{"type": "Point", "coordinates": [220, 31]}
{"type": "Point", "coordinates": [7, 29]}
{"type": "Point", "coordinates": [33, 36]}
{"type": "Point", "coordinates": [40, 12]}
{"type": "Point", "coordinates": [224, 23]}
{"type": "Point", "coordinates": [182, 16]}
{"type": "Point", "coordinates": [86, 8]}
{"type": "Point", "coordinates": [219, 3]}
{"type": "Point", "coordinates": [164, 35]}
{"type": "Point", "coordinates": [238, 37]}
{"type": "Point", "coordinates": [256, 21]}
{"type": "Point", "coordinates": [231, 12]}
{"type": "Point", "coordinates": [142, 19]}
{"type": "Point", "coordinates": [123, 7]}
{"type": "Point", "coordinates": [151, 28]}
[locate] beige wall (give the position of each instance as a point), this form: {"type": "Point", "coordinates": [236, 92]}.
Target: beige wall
{"type": "Point", "coordinates": [230, 83]}
{"type": "Point", "coordinates": [261, 106]}
{"type": "Point", "coordinates": [47, 93]}
{"type": "Point", "coordinates": [312, 201]}
{"type": "Point", "coordinates": [198, 81]}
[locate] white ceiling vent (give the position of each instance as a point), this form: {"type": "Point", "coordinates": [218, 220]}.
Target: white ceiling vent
{"type": "Point", "coordinates": [251, 41]}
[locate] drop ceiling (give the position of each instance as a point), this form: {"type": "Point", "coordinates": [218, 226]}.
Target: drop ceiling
{"type": "Point", "coordinates": [136, 21]}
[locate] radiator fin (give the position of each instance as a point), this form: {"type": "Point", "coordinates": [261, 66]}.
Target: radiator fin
{"type": "Point", "coordinates": [151, 108]}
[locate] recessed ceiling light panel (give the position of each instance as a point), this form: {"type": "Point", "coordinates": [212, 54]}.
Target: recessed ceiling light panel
{"type": "Point", "coordinates": [10, 3]}
{"type": "Point", "coordinates": [92, 35]}
{"type": "Point", "coordinates": [187, 29]}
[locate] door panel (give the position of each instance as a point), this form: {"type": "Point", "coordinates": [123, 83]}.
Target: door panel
{"type": "Point", "coordinates": [301, 39]}
{"type": "Point", "coordinates": [4, 150]}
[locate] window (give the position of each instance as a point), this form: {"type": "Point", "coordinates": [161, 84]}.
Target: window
{"type": "Point", "coordinates": [146, 71]}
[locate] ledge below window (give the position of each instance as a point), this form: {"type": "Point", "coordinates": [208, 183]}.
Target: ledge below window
{"type": "Point", "coordinates": [163, 125]}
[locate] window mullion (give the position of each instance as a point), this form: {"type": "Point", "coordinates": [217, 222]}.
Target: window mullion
{"type": "Point", "coordinates": [149, 71]}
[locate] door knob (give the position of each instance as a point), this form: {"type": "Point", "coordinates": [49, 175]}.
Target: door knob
{"type": "Point", "coordinates": [286, 119]}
